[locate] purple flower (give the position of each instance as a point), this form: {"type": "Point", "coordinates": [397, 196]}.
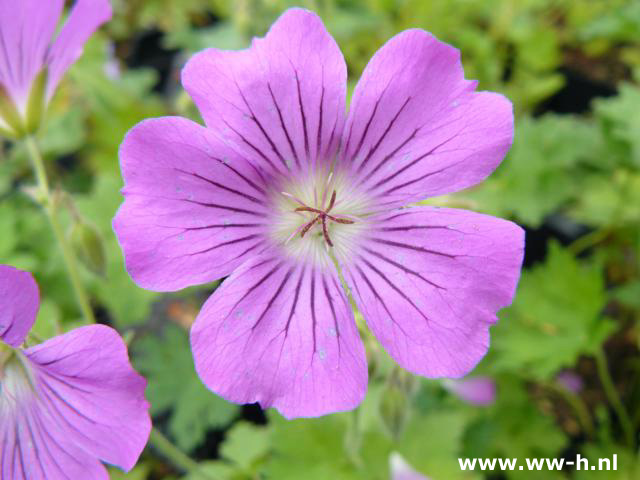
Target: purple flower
{"type": "Point", "coordinates": [401, 470]}
{"type": "Point", "coordinates": [480, 390]}
{"type": "Point", "coordinates": [570, 380]}
{"type": "Point", "coordinates": [33, 57]}
{"type": "Point", "coordinates": [292, 199]}
{"type": "Point", "coordinates": [67, 403]}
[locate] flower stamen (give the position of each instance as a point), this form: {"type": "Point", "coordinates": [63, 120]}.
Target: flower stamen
{"type": "Point", "coordinates": [321, 216]}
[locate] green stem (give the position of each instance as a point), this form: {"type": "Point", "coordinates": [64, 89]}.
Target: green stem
{"type": "Point", "coordinates": [589, 240]}
{"type": "Point", "coordinates": [176, 456]}
{"type": "Point", "coordinates": [613, 397]}
{"type": "Point", "coordinates": [47, 201]}
{"type": "Point", "coordinates": [578, 406]}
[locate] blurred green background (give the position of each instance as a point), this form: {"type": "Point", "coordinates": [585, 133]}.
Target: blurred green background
{"type": "Point", "coordinates": [572, 179]}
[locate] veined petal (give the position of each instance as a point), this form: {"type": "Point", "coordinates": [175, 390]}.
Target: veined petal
{"type": "Point", "coordinates": [193, 211]}
{"type": "Point", "coordinates": [19, 303]}
{"type": "Point", "coordinates": [282, 334]}
{"type": "Point", "coordinates": [429, 282]}
{"type": "Point", "coordinates": [76, 402]}
{"type": "Point", "coordinates": [417, 129]}
{"type": "Point", "coordinates": [85, 17]}
{"type": "Point", "coordinates": [26, 28]}
{"type": "Point", "coordinates": [281, 101]}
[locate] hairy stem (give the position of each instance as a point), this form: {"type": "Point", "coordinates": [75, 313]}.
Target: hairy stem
{"type": "Point", "coordinates": [175, 456]}
{"type": "Point", "coordinates": [613, 397]}
{"type": "Point", "coordinates": [578, 406]}
{"type": "Point", "coordinates": [49, 205]}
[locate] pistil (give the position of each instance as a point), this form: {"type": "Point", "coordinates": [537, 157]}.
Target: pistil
{"type": "Point", "coordinates": [321, 216]}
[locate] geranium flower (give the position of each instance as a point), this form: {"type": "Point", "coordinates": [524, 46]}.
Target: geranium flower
{"type": "Point", "coordinates": [67, 403]}
{"type": "Point", "coordinates": [293, 201]}
{"type": "Point", "coordinates": [480, 390]}
{"type": "Point", "coordinates": [33, 57]}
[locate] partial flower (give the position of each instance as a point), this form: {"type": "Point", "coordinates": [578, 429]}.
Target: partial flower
{"type": "Point", "coordinates": [480, 390]}
{"type": "Point", "coordinates": [401, 470]}
{"type": "Point", "coordinates": [570, 380]}
{"type": "Point", "coordinates": [34, 54]}
{"type": "Point", "coordinates": [68, 403]}
{"type": "Point", "coordinates": [292, 199]}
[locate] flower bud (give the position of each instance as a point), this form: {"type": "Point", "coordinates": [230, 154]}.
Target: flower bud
{"type": "Point", "coordinates": [395, 400]}
{"type": "Point", "coordinates": [88, 247]}
{"type": "Point", "coordinates": [394, 410]}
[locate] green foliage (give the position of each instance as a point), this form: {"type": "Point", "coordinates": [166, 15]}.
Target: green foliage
{"type": "Point", "coordinates": [566, 174]}
{"type": "Point", "coordinates": [165, 360]}
{"type": "Point", "coordinates": [554, 318]}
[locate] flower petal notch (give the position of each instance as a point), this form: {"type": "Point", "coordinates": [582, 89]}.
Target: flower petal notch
{"type": "Point", "coordinates": [33, 58]}
{"type": "Point", "coordinates": [69, 403]}
{"type": "Point", "coordinates": [296, 204]}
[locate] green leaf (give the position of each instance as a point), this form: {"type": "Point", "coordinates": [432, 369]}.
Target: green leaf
{"type": "Point", "coordinates": [314, 449]}
{"type": "Point", "coordinates": [556, 316]}
{"type": "Point", "coordinates": [140, 472]}
{"type": "Point", "coordinates": [128, 303]}
{"type": "Point", "coordinates": [620, 119]}
{"type": "Point", "coordinates": [541, 173]}
{"type": "Point", "coordinates": [173, 385]}
{"type": "Point", "coordinates": [245, 444]}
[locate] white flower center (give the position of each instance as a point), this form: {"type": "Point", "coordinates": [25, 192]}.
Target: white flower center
{"type": "Point", "coordinates": [319, 214]}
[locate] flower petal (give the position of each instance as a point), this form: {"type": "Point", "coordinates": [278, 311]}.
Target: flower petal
{"type": "Point", "coordinates": [193, 209]}
{"type": "Point", "coordinates": [19, 303]}
{"type": "Point", "coordinates": [429, 282]}
{"type": "Point", "coordinates": [480, 390]}
{"type": "Point", "coordinates": [26, 28]}
{"type": "Point", "coordinates": [401, 470]}
{"type": "Point", "coordinates": [88, 405]}
{"type": "Point", "coordinates": [417, 129]}
{"type": "Point", "coordinates": [85, 17]}
{"type": "Point", "coordinates": [281, 334]}
{"type": "Point", "coordinates": [282, 101]}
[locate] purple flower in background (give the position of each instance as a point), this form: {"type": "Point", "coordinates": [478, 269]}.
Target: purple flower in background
{"type": "Point", "coordinates": [33, 57]}
{"type": "Point", "coordinates": [480, 390]}
{"type": "Point", "coordinates": [401, 470]}
{"type": "Point", "coordinates": [570, 380]}
{"type": "Point", "coordinates": [67, 403]}
{"type": "Point", "coordinates": [292, 198]}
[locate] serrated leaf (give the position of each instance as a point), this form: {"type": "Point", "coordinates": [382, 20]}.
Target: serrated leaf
{"type": "Point", "coordinates": [245, 444]}
{"type": "Point", "coordinates": [556, 316]}
{"type": "Point", "coordinates": [173, 386]}
{"type": "Point", "coordinates": [539, 176]}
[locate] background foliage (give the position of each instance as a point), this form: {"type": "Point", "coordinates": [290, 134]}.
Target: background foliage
{"type": "Point", "coordinates": [572, 179]}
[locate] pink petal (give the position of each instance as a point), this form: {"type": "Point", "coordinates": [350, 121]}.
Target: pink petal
{"type": "Point", "coordinates": [281, 101]}
{"type": "Point", "coordinates": [417, 129]}
{"type": "Point", "coordinates": [429, 282]}
{"type": "Point", "coordinates": [281, 334]}
{"type": "Point", "coordinates": [480, 390]}
{"type": "Point", "coordinates": [88, 406]}
{"type": "Point", "coordinates": [26, 28]}
{"type": "Point", "coordinates": [85, 17]}
{"type": "Point", "coordinates": [193, 209]}
{"type": "Point", "coordinates": [19, 303]}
